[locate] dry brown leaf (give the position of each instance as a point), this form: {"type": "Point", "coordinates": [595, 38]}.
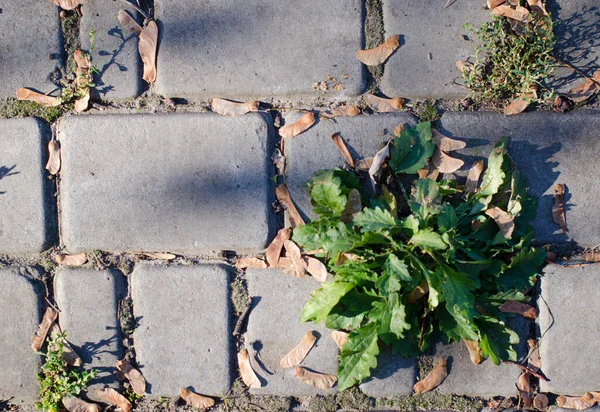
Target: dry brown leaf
{"type": "Point", "coordinates": [229, 108]}
{"type": "Point", "coordinates": [160, 255]}
{"type": "Point", "coordinates": [353, 206]}
{"type": "Point", "coordinates": [342, 111]}
{"type": "Point", "coordinates": [379, 54]}
{"type": "Point", "coordinates": [82, 103]}
{"type": "Point", "coordinates": [70, 260]}
{"type": "Point", "coordinates": [418, 293]}
{"type": "Point", "coordinates": [504, 221]}
{"type": "Point", "coordinates": [525, 391]}
{"type": "Point", "coordinates": [147, 49]}
{"type": "Point", "coordinates": [364, 165]}
{"type": "Point", "coordinates": [315, 379]}
{"type": "Point", "coordinates": [299, 126]}
{"type": "Point", "coordinates": [445, 143]}
{"type": "Point", "coordinates": [196, 400]}
{"type": "Point", "coordinates": [463, 66]}
{"type": "Point", "coordinates": [30, 95]}
{"type": "Point", "coordinates": [593, 257]}
{"type": "Point", "coordinates": [67, 4]}
{"type": "Point", "coordinates": [283, 197]}
{"type": "Point", "coordinates": [430, 172]}
{"type": "Point", "coordinates": [341, 145]}
{"type": "Point", "coordinates": [82, 61]}
{"type": "Point", "coordinates": [434, 378]}
{"type": "Point", "coordinates": [574, 402]}
{"type": "Point", "coordinates": [293, 252]}
{"type": "Point", "coordinates": [586, 90]}
{"type": "Point", "coordinates": [73, 404]}
{"type": "Point", "coordinates": [111, 396]}
{"type": "Point", "coordinates": [518, 13]}
{"type": "Point", "coordinates": [473, 177]}
{"type": "Point", "coordinates": [297, 355]}
{"type": "Point", "coordinates": [344, 257]}
{"type": "Point", "coordinates": [339, 337]}
{"type": "Point", "coordinates": [274, 250]}
{"type": "Point", "coordinates": [317, 269]}
{"type": "Point", "coordinates": [533, 360]}
{"type": "Point", "coordinates": [520, 308]}
{"type": "Point", "coordinates": [248, 375]}
{"type": "Point", "coordinates": [445, 163]}
{"type": "Point", "coordinates": [286, 265]}
{"type": "Point", "coordinates": [558, 208]}
{"type": "Point", "coordinates": [540, 402]}
{"type": "Point", "coordinates": [492, 4]}
{"type": "Point", "coordinates": [383, 105]}
{"type": "Point", "coordinates": [515, 107]}
{"type": "Point", "coordinates": [591, 396]}
{"type": "Point", "coordinates": [397, 130]}
{"type": "Point", "coordinates": [37, 341]}
{"type": "Point", "coordinates": [537, 7]}
{"type": "Point", "coordinates": [474, 351]}
{"type": "Point", "coordinates": [69, 355]}
{"type": "Point", "coordinates": [134, 376]}
{"type": "Point", "coordinates": [378, 160]}
{"type": "Point", "coordinates": [53, 165]}
{"type": "Point", "coordinates": [279, 162]}
{"type": "Point", "coordinates": [128, 22]}
{"type": "Point", "coordinates": [250, 262]}
{"type": "Point", "coordinates": [550, 256]}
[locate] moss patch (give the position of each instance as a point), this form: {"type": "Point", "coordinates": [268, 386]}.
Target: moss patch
{"type": "Point", "coordinates": [374, 32]}
{"type": "Point", "coordinates": [10, 108]}
{"type": "Point", "coordinates": [70, 29]}
{"type": "Point", "coordinates": [431, 401]}
{"type": "Point", "coordinates": [239, 294]}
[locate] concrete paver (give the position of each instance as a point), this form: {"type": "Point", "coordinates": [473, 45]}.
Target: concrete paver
{"type": "Point", "coordinates": [27, 220]}
{"type": "Point", "coordinates": [273, 331]}
{"type": "Point", "coordinates": [88, 300]}
{"type": "Point", "coordinates": [192, 183]}
{"type": "Point", "coordinates": [183, 333]}
{"type": "Point", "coordinates": [394, 376]}
{"type": "Point", "coordinates": [258, 48]}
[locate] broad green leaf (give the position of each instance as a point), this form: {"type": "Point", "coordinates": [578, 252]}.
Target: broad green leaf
{"type": "Point", "coordinates": [411, 149]}
{"type": "Point", "coordinates": [326, 194]}
{"type": "Point", "coordinates": [412, 224]}
{"type": "Point", "coordinates": [494, 175]}
{"type": "Point", "coordinates": [398, 322]}
{"type": "Point", "coordinates": [460, 301]}
{"type": "Point", "coordinates": [425, 200]}
{"type": "Point", "coordinates": [497, 340]}
{"type": "Point", "coordinates": [523, 269]}
{"type": "Point", "coordinates": [373, 220]}
{"type": "Point", "coordinates": [358, 356]}
{"type": "Point", "coordinates": [518, 191]}
{"type": "Point", "coordinates": [324, 299]}
{"type": "Point", "coordinates": [319, 235]}
{"type": "Point", "coordinates": [429, 240]}
{"type": "Point", "coordinates": [397, 268]}
{"type": "Point", "coordinates": [447, 219]}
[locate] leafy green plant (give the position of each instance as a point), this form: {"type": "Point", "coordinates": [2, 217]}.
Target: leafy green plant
{"type": "Point", "coordinates": [57, 379]}
{"type": "Point", "coordinates": [413, 268]}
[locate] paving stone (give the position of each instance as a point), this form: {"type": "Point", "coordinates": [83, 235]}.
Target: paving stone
{"type": "Point", "coordinates": [258, 48]}
{"type": "Point", "coordinates": [27, 219]}
{"type": "Point", "coordinates": [89, 300]}
{"type": "Point", "coordinates": [19, 317]}
{"type": "Point", "coordinates": [394, 376]}
{"type": "Point", "coordinates": [314, 150]}
{"type": "Point", "coordinates": [548, 149]}
{"type": "Point", "coordinates": [192, 183]}
{"type": "Point", "coordinates": [569, 321]}
{"type": "Point", "coordinates": [115, 50]}
{"type": "Point", "coordinates": [183, 333]}
{"type": "Point", "coordinates": [30, 46]}
{"type": "Point", "coordinates": [274, 330]}
{"type": "Point", "coordinates": [431, 42]}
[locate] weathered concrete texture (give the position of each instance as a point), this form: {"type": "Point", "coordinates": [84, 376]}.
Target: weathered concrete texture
{"type": "Point", "coordinates": [569, 319]}
{"type": "Point", "coordinates": [115, 50]}
{"type": "Point", "coordinates": [394, 376]}
{"type": "Point", "coordinates": [314, 150]}
{"type": "Point", "coordinates": [89, 303]}
{"type": "Point", "coordinates": [27, 221]}
{"type": "Point", "coordinates": [30, 46]}
{"type": "Point", "coordinates": [258, 48]}
{"type": "Point", "coordinates": [184, 183]}
{"type": "Point", "coordinates": [183, 334]}
{"type": "Point", "coordinates": [431, 42]}
{"type": "Point", "coordinates": [19, 318]}
{"type": "Point", "coordinates": [548, 150]}
{"type": "Point", "coordinates": [273, 331]}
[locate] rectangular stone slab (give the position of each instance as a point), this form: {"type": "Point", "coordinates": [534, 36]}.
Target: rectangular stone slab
{"type": "Point", "coordinates": [192, 183]}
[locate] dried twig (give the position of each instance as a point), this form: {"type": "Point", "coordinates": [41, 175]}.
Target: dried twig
{"type": "Point", "coordinates": [528, 370]}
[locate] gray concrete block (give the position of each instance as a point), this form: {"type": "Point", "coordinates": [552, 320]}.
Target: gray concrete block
{"type": "Point", "coordinates": [431, 42]}
{"type": "Point", "coordinates": [115, 51]}
{"type": "Point", "coordinates": [394, 376]}
{"type": "Point", "coordinates": [192, 183]}
{"type": "Point", "coordinates": [20, 315]}
{"type": "Point", "coordinates": [89, 300]}
{"type": "Point", "coordinates": [569, 321]}
{"type": "Point", "coordinates": [274, 330]}
{"type": "Point", "coordinates": [30, 46]}
{"type": "Point", "coordinates": [183, 334]}
{"type": "Point", "coordinates": [258, 49]}
{"type": "Point", "coordinates": [27, 217]}
{"type": "Point", "coordinates": [548, 149]}
{"type": "Point", "coordinates": [314, 150]}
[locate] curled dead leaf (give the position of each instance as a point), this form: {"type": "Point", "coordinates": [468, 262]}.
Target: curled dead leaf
{"type": "Point", "coordinates": [593, 257]}
{"type": "Point", "coordinates": [430, 172]}
{"type": "Point", "coordinates": [286, 265]}
{"type": "Point", "coordinates": [504, 221]}
{"type": "Point", "coordinates": [520, 308]}
{"type": "Point", "coordinates": [585, 90]}
{"type": "Point", "coordinates": [525, 391]}
{"type": "Point", "coordinates": [283, 197]}
{"type": "Point", "coordinates": [474, 351]}
{"type": "Point", "coordinates": [299, 126]}
{"type": "Point", "coordinates": [134, 376]}
{"type": "Point", "coordinates": [30, 95]}
{"type": "Point", "coordinates": [446, 143]}
{"type": "Point", "coordinates": [81, 60]}
{"type": "Point", "coordinates": [128, 22]}
{"type": "Point", "coordinates": [434, 378]}
{"type": "Point", "coordinates": [73, 404]}
{"type": "Point", "coordinates": [574, 402]}
{"type": "Point", "coordinates": [293, 252]}
{"type": "Point", "coordinates": [591, 396]}
{"type": "Point", "coordinates": [339, 337]}
{"type": "Point", "coordinates": [297, 355]}
{"type": "Point", "coordinates": [147, 49]}
{"type": "Point", "coordinates": [464, 66]}
{"type": "Point", "coordinates": [64, 259]}
{"type": "Point", "coordinates": [82, 102]}
{"type": "Point", "coordinates": [540, 402]}
{"type": "Point", "coordinates": [550, 256]}
{"type": "Point", "coordinates": [341, 145]}
{"type": "Point", "coordinates": [364, 165]}
{"type": "Point", "coordinates": [445, 163]}
{"type": "Point", "coordinates": [53, 165]}
{"type": "Point", "coordinates": [196, 400]}
{"type": "Point", "coordinates": [279, 162]}
{"type": "Point", "coordinates": [519, 13]}
{"type": "Point", "coordinates": [160, 255]}
{"type": "Point", "coordinates": [418, 293]}
{"type": "Point", "coordinates": [67, 4]}
{"type": "Point", "coordinates": [315, 379]}
{"type": "Point", "coordinates": [248, 375]}
{"type": "Point", "coordinates": [273, 252]}
{"type": "Point", "coordinates": [378, 160]}
{"type": "Point", "coordinates": [515, 107]}
{"type": "Point", "coordinates": [37, 341]}
{"type": "Point", "coordinates": [352, 208]}
{"type": "Point", "coordinates": [250, 262]}
{"type": "Point", "coordinates": [69, 355]}
{"type": "Point", "coordinates": [558, 208]}
{"type": "Point", "coordinates": [111, 396]}
{"type": "Point", "coordinates": [533, 360]}
{"type": "Point", "coordinates": [379, 54]}
{"type": "Point", "coordinates": [473, 176]}
{"type": "Point", "coordinates": [317, 269]}
{"type": "Point", "coordinates": [492, 4]}
{"type": "Point", "coordinates": [229, 108]}
{"type": "Point", "coordinates": [346, 256]}
{"type": "Point", "coordinates": [537, 7]}
{"type": "Point", "coordinates": [383, 105]}
{"type": "Point", "coordinates": [398, 129]}
{"type": "Point", "coordinates": [342, 111]}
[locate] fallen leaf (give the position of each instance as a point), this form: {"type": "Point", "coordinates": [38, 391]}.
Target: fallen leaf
{"type": "Point", "coordinates": [473, 176]}
{"type": "Point", "coordinates": [147, 49]}
{"type": "Point", "coordinates": [378, 161]}
{"type": "Point", "coordinates": [585, 90]}
{"type": "Point", "coordinates": [540, 402]}
{"type": "Point", "coordinates": [287, 265]}
{"type": "Point", "coordinates": [382, 105]}
{"type": "Point", "coordinates": [445, 143]}
{"type": "Point", "coordinates": [418, 292]}
{"type": "Point", "coordinates": [317, 269]}
{"type": "Point", "coordinates": [593, 257]}
{"type": "Point", "coordinates": [160, 255]}
{"type": "Point", "coordinates": [37, 341]}
{"type": "Point", "coordinates": [297, 355]}
{"type": "Point", "coordinates": [111, 396]}
{"type": "Point", "coordinates": [525, 391]}
{"type": "Point", "coordinates": [196, 400]}
{"type": "Point", "coordinates": [492, 4]}
{"type": "Point", "coordinates": [67, 4]}
{"type": "Point", "coordinates": [250, 262]}
{"type": "Point", "coordinates": [339, 337]}
{"type": "Point", "coordinates": [558, 208]}
{"type": "Point", "coordinates": [283, 197]}
{"type": "Point", "coordinates": [533, 360]}
{"type": "Point", "coordinates": [474, 351]}
{"type": "Point", "coordinates": [299, 126]}
{"type": "Point", "coordinates": [397, 130]}
{"type": "Point", "coordinates": [520, 308]}
{"type": "Point", "coordinates": [69, 355]}
{"type": "Point", "coordinates": [379, 54]}
{"type": "Point", "coordinates": [518, 13]}
{"type": "Point", "coordinates": [53, 165]}
{"type": "Point", "coordinates": [30, 95]}
{"type": "Point", "coordinates": [550, 256]}
{"type": "Point", "coordinates": [73, 404]}
{"type": "Point", "coordinates": [248, 375]}
{"type": "Point", "coordinates": [346, 256]}
{"type": "Point", "coordinates": [352, 208]}
{"type": "Point", "coordinates": [278, 160]}
{"type": "Point", "coordinates": [315, 379]}
{"type": "Point", "coordinates": [229, 108]}
{"type": "Point", "coordinates": [70, 260]}
{"type": "Point", "coordinates": [537, 7]}
{"type": "Point", "coordinates": [293, 252]}
{"type": "Point", "coordinates": [342, 111]}
{"type": "Point", "coordinates": [134, 376]}
{"type": "Point", "coordinates": [364, 164]}
{"type": "Point", "coordinates": [464, 66]}
{"type": "Point", "coordinates": [82, 103]}
{"type": "Point", "coordinates": [128, 22]}
{"type": "Point", "coordinates": [591, 396]}
{"type": "Point", "coordinates": [445, 163]}
{"type": "Point", "coordinates": [430, 172]}
{"type": "Point", "coordinates": [341, 145]}
{"type": "Point", "coordinates": [573, 402]}
{"type": "Point", "coordinates": [515, 107]}
{"type": "Point", "coordinates": [81, 59]}
{"type": "Point", "coordinates": [273, 252]}
{"type": "Point", "coordinates": [504, 221]}
{"type": "Point", "coordinates": [434, 378]}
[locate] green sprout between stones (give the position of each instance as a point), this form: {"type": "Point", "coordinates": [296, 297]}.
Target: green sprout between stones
{"type": "Point", "coordinates": [421, 261]}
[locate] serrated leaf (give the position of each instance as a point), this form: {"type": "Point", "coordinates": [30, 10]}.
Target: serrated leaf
{"type": "Point", "coordinates": [497, 340]}
{"type": "Point", "coordinates": [460, 301]}
{"type": "Point", "coordinates": [396, 268]}
{"type": "Point", "coordinates": [390, 314]}
{"type": "Point", "coordinates": [425, 199]}
{"type": "Point", "coordinates": [358, 356]}
{"type": "Point", "coordinates": [326, 194]}
{"type": "Point", "coordinates": [523, 269]}
{"type": "Point", "coordinates": [319, 235]}
{"type": "Point", "coordinates": [373, 220]}
{"type": "Point", "coordinates": [323, 300]}
{"type": "Point", "coordinates": [494, 175]}
{"type": "Point", "coordinates": [428, 240]}
{"type": "Point", "coordinates": [412, 149]}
